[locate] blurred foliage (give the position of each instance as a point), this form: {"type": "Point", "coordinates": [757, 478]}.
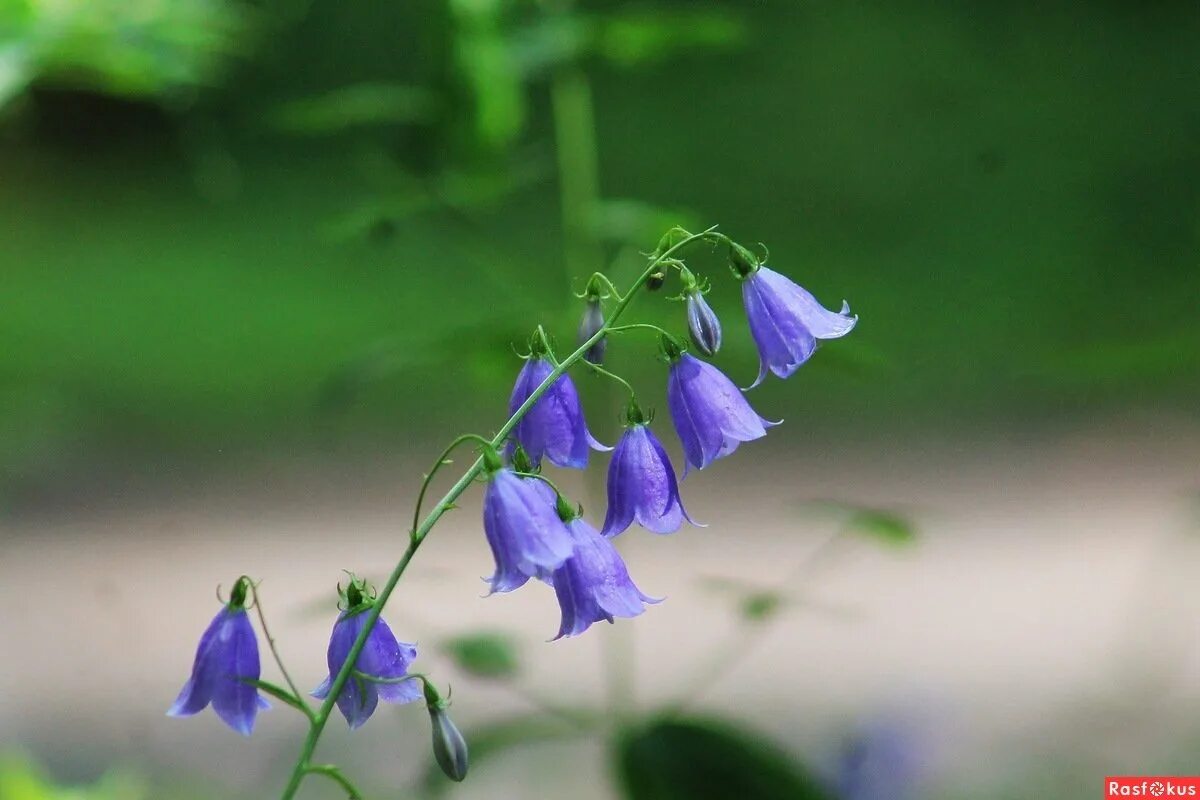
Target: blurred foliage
{"type": "Point", "coordinates": [121, 47]}
{"type": "Point", "coordinates": [883, 526]}
{"type": "Point", "coordinates": [685, 759]}
{"type": "Point", "coordinates": [20, 780]}
{"type": "Point", "coordinates": [483, 655]}
{"type": "Point", "coordinates": [1007, 195]}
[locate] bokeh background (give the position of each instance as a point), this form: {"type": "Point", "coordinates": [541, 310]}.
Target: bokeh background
{"type": "Point", "coordinates": [261, 260]}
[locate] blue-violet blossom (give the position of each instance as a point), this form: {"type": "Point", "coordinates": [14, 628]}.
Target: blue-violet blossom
{"type": "Point", "coordinates": [554, 427]}
{"type": "Point", "coordinates": [786, 321]}
{"type": "Point", "coordinates": [224, 670]}
{"type": "Point", "coordinates": [593, 584]}
{"type": "Point", "coordinates": [641, 483]}
{"type": "Point", "coordinates": [382, 657]}
{"type": "Point", "coordinates": [527, 538]}
{"type": "Point", "coordinates": [710, 414]}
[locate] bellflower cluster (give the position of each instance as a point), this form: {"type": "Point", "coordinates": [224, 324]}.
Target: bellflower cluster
{"type": "Point", "coordinates": [532, 530]}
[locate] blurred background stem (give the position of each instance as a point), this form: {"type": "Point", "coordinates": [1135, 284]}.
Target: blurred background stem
{"type": "Point", "coordinates": [578, 164]}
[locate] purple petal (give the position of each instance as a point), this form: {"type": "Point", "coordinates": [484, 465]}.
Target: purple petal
{"type": "Point", "coordinates": [820, 321]}
{"type": "Point", "coordinates": [523, 530]}
{"type": "Point", "coordinates": [594, 584]}
{"type": "Point", "coordinates": [642, 486]}
{"type": "Point", "coordinates": [784, 343]}
{"type": "Point", "coordinates": [554, 427]}
{"type": "Point", "coordinates": [710, 413]}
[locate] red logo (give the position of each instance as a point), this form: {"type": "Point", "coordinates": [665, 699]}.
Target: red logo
{"type": "Point", "coordinates": [1117, 786]}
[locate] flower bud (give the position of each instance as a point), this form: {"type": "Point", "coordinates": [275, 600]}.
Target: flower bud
{"type": "Point", "coordinates": [593, 321]}
{"type": "Point", "coordinates": [656, 280]}
{"type": "Point", "coordinates": [449, 746]}
{"type": "Point", "coordinates": [703, 324]}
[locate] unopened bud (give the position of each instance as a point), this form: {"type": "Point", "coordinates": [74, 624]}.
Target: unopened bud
{"type": "Point", "coordinates": [449, 746]}
{"type": "Point", "coordinates": [589, 325]}
{"type": "Point", "coordinates": [703, 325]}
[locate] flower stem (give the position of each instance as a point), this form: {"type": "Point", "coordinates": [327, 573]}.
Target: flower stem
{"type": "Point", "coordinates": [639, 326]}
{"type": "Point", "coordinates": [303, 762]}
{"type": "Point", "coordinates": [599, 370]}
{"type": "Point", "coordinates": [299, 703]}
{"type": "Point", "coordinates": [441, 462]}
{"type": "Point", "coordinates": [334, 774]}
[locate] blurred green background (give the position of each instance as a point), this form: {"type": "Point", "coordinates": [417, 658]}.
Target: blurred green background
{"type": "Point", "coordinates": [303, 231]}
{"type": "Point", "coordinates": [232, 225]}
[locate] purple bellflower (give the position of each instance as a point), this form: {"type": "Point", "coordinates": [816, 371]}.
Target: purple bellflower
{"type": "Point", "coordinates": [225, 668]}
{"type": "Point", "coordinates": [382, 657]}
{"type": "Point", "coordinates": [593, 584]}
{"type": "Point", "coordinates": [554, 427]}
{"type": "Point", "coordinates": [786, 321]}
{"type": "Point", "coordinates": [641, 483]}
{"type": "Point", "coordinates": [527, 538]}
{"type": "Point", "coordinates": [710, 414]}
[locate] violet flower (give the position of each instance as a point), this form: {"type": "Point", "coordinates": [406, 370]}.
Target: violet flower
{"type": "Point", "coordinates": [225, 667]}
{"type": "Point", "coordinates": [593, 584]}
{"type": "Point", "coordinates": [786, 321]}
{"type": "Point", "coordinates": [554, 427]}
{"type": "Point", "coordinates": [641, 483]}
{"type": "Point", "coordinates": [710, 414]}
{"type": "Point", "coordinates": [527, 538]}
{"type": "Point", "coordinates": [382, 657]}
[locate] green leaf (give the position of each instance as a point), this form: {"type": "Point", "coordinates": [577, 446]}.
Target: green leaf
{"type": "Point", "coordinates": [883, 526]}
{"type": "Point", "coordinates": [761, 606]}
{"type": "Point", "coordinates": [629, 38]}
{"type": "Point", "coordinates": [484, 655]}
{"type": "Point", "coordinates": [689, 759]}
{"type": "Point", "coordinates": [364, 104]}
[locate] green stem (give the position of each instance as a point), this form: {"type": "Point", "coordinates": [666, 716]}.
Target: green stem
{"type": "Point", "coordinates": [297, 700]}
{"type": "Point", "coordinates": [334, 774]}
{"type": "Point", "coordinates": [441, 462]}
{"type": "Point", "coordinates": [639, 326]}
{"type": "Point", "coordinates": [578, 167]}
{"type": "Point", "coordinates": [602, 371]}
{"type": "Point", "coordinates": [303, 762]}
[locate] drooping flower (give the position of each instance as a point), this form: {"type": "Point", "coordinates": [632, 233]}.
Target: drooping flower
{"type": "Point", "coordinates": [710, 414]}
{"type": "Point", "coordinates": [382, 658]}
{"type": "Point", "coordinates": [786, 321]}
{"type": "Point", "coordinates": [591, 322]}
{"type": "Point", "coordinates": [554, 427]}
{"type": "Point", "coordinates": [641, 483]}
{"type": "Point", "coordinates": [593, 584]}
{"type": "Point", "coordinates": [225, 667]}
{"type": "Point", "coordinates": [527, 537]}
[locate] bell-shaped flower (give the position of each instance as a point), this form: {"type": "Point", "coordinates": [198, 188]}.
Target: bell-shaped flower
{"type": "Point", "coordinates": [593, 584]}
{"type": "Point", "coordinates": [786, 321]}
{"type": "Point", "coordinates": [554, 427]}
{"type": "Point", "coordinates": [641, 483]}
{"type": "Point", "coordinates": [224, 671]}
{"type": "Point", "coordinates": [710, 414]}
{"type": "Point", "coordinates": [378, 672]}
{"type": "Point", "coordinates": [527, 538]}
